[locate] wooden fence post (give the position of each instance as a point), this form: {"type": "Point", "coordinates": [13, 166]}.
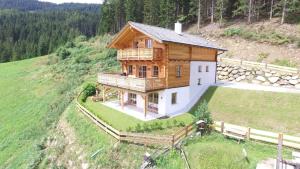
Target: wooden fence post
{"type": "Point", "coordinates": [248, 133]}
{"type": "Point", "coordinates": [173, 140]}
{"type": "Point", "coordinates": [279, 155]}
{"type": "Point", "coordinates": [222, 126]}
{"type": "Point", "coordinates": [186, 131]}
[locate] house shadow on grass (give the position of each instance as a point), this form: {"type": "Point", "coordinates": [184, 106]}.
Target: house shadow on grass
{"type": "Point", "coordinates": [207, 96]}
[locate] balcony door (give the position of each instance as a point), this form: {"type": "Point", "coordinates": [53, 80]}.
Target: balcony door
{"type": "Point", "coordinates": [132, 98]}
{"type": "Point", "coordinates": [142, 71]}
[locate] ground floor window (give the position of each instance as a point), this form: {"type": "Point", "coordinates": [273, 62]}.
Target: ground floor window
{"type": "Point", "coordinates": [131, 98]}
{"type": "Point", "coordinates": [174, 98]}
{"type": "Point", "coordinates": [199, 81]}
{"type": "Point", "coordinates": [153, 98]}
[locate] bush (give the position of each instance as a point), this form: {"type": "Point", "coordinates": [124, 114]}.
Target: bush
{"type": "Point", "coordinates": [70, 45]}
{"type": "Point", "coordinates": [232, 31]}
{"type": "Point", "coordinates": [63, 53]}
{"type": "Point", "coordinates": [89, 90]}
{"type": "Point", "coordinates": [202, 113]}
{"type": "Point", "coordinates": [138, 127]}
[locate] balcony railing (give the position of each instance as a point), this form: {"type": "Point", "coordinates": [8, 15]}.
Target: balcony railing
{"type": "Point", "coordinates": [140, 54]}
{"type": "Point", "coordinates": [136, 84]}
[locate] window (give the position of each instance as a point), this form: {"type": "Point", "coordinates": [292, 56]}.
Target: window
{"type": "Point", "coordinates": [200, 68]}
{"type": "Point", "coordinates": [174, 98]}
{"type": "Point", "coordinates": [148, 43]}
{"type": "Point", "coordinates": [199, 81]}
{"type": "Point", "coordinates": [153, 98]}
{"type": "Point", "coordinates": [155, 71]}
{"type": "Point", "coordinates": [142, 71]}
{"type": "Point", "coordinates": [132, 98]}
{"type": "Point", "coordinates": [207, 69]}
{"type": "Point", "coordinates": [178, 71]}
{"type": "Point", "coordinates": [135, 44]}
{"type": "Point", "coordinates": [130, 70]}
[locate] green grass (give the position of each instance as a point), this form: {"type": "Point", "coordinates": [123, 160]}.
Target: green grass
{"type": "Point", "coordinates": [123, 122]}
{"type": "Point", "coordinates": [215, 151]}
{"type": "Point", "coordinates": [277, 112]}
{"type": "Point", "coordinates": [285, 62]}
{"type": "Point", "coordinates": [272, 37]}
{"type": "Point", "coordinates": [92, 138]}
{"type": "Point", "coordinates": [25, 94]}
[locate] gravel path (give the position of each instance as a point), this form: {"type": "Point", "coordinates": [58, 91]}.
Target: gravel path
{"type": "Point", "coordinates": [248, 86]}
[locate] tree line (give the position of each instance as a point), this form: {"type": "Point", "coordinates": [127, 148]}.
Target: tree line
{"type": "Point", "coordinates": [29, 34]}
{"type": "Point", "coordinates": [116, 13]}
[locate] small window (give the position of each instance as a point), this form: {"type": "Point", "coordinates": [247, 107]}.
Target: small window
{"type": "Point", "coordinates": [174, 98]}
{"type": "Point", "coordinates": [200, 68]}
{"type": "Point", "coordinates": [148, 43]}
{"type": "Point", "coordinates": [135, 44]}
{"type": "Point", "coordinates": [178, 71]}
{"type": "Point", "coordinates": [207, 69]}
{"type": "Point", "coordinates": [155, 71]}
{"type": "Point", "coordinates": [199, 81]}
{"type": "Point", "coordinates": [130, 70]}
{"type": "Point", "coordinates": [153, 98]}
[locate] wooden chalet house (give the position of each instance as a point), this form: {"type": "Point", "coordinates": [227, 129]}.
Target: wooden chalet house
{"type": "Point", "coordinates": [164, 72]}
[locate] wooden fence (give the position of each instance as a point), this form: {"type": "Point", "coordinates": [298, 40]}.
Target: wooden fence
{"type": "Point", "coordinates": [260, 135]}
{"type": "Point", "coordinates": [138, 138]}
{"type": "Point", "coordinates": [259, 65]}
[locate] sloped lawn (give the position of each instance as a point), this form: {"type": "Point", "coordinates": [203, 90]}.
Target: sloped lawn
{"type": "Point", "coordinates": [215, 151]}
{"type": "Point", "coordinates": [279, 112]}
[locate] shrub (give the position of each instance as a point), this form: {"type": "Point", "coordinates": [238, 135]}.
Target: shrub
{"type": "Point", "coordinates": [89, 90]}
{"type": "Point", "coordinates": [262, 56]}
{"type": "Point", "coordinates": [138, 127]}
{"type": "Point", "coordinates": [285, 62]}
{"type": "Point", "coordinates": [70, 45]}
{"type": "Point", "coordinates": [175, 122]}
{"type": "Point", "coordinates": [202, 113]}
{"type": "Point", "coordinates": [63, 53]}
{"type": "Point", "coordinates": [232, 31]}
{"type": "Point", "coordinates": [146, 127]}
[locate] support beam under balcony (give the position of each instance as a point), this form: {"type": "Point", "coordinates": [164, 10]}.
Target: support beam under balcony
{"type": "Point", "coordinates": [145, 97]}
{"type": "Point", "coordinates": [103, 93]}
{"type": "Point", "coordinates": [122, 99]}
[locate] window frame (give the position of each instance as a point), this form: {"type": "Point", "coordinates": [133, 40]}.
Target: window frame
{"type": "Point", "coordinates": [132, 98]}
{"type": "Point", "coordinates": [130, 70]}
{"type": "Point", "coordinates": [200, 68]}
{"type": "Point", "coordinates": [174, 98]}
{"type": "Point", "coordinates": [154, 71]}
{"type": "Point", "coordinates": [149, 43]}
{"type": "Point", "coordinates": [178, 71]}
{"type": "Point", "coordinates": [142, 71]}
{"type": "Point", "coordinates": [153, 98]}
{"type": "Point", "coordinates": [199, 81]}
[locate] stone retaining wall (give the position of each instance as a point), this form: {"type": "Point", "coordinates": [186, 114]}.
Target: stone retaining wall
{"type": "Point", "coordinates": [234, 73]}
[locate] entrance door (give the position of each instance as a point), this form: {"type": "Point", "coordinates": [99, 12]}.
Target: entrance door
{"type": "Point", "coordinates": [142, 71]}
{"type": "Point", "coordinates": [132, 98]}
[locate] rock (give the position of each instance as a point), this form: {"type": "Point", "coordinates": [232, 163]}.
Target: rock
{"type": "Point", "coordinates": [219, 69]}
{"type": "Point", "coordinates": [256, 81]}
{"type": "Point", "coordinates": [240, 78]}
{"type": "Point", "coordinates": [297, 86]}
{"type": "Point", "coordinates": [234, 71]}
{"type": "Point", "coordinates": [295, 77]}
{"type": "Point", "coordinates": [273, 72]}
{"type": "Point", "coordinates": [268, 74]}
{"type": "Point", "coordinates": [236, 76]}
{"type": "Point", "coordinates": [231, 79]}
{"type": "Point", "coordinates": [288, 78]}
{"type": "Point", "coordinates": [261, 78]}
{"type": "Point", "coordinates": [224, 73]}
{"type": "Point", "coordinates": [259, 72]}
{"type": "Point", "coordinates": [293, 82]}
{"type": "Point", "coordinates": [242, 70]}
{"type": "Point", "coordinates": [223, 65]}
{"type": "Point", "coordinates": [283, 82]}
{"type": "Point", "coordinates": [266, 83]}
{"type": "Point", "coordinates": [276, 85]}
{"type": "Point", "coordinates": [273, 79]}
{"type": "Point", "coordinates": [247, 73]}
{"type": "Point", "coordinates": [229, 70]}
{"type": "Point", "coordinates": [225, 69]}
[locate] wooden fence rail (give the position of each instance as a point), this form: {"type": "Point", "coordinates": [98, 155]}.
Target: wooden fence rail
{"type": "Point", "coordinates": [139, 138]}
{"type": "Point", "coordinates": [260, 135]}
{"type": "Point", "coordinates": [259, 65]}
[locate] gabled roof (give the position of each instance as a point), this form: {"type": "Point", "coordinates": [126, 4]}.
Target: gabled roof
{"type": "Point", "coordinates": [163, 35]}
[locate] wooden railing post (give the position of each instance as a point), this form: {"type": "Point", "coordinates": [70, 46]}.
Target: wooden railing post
{"type": "Point", "coordinates": [248, 133]}
{"type": "Point", "coordinates": [222, 126]}
{"type": "Point", "coordinates": [186, 131]}
{"type": "Point", "coordinates": [173, 140]}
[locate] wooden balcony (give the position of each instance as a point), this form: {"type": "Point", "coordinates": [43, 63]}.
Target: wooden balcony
{"type": "Point", "coordinates": [135, 84]}
{"type": "Point", "coordinates": [140, 54]}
